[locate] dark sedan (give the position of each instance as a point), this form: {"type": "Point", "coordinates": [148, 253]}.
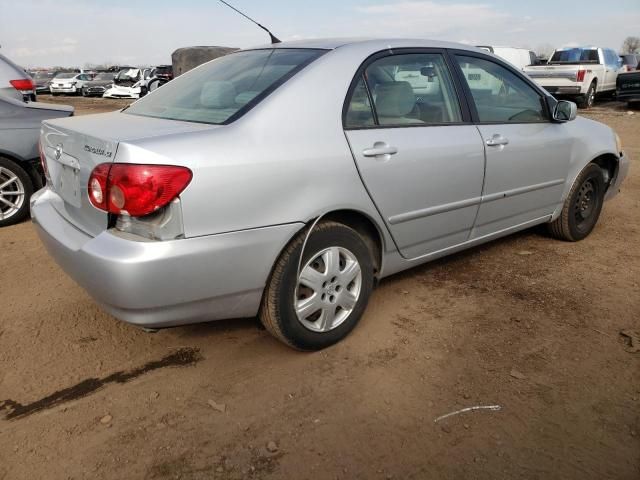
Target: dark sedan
{"type": "Point", "coordinates": [20, 171]}
{"type": "Point", "coordinates": [100, 84]}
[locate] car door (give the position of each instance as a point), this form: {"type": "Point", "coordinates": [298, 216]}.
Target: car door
{"type": "Point", "coordinates": [420, 157]}
{"type": "Point", "coordinates": [612, 66]}
{"type": "Point", "coordinates": [527, 156]}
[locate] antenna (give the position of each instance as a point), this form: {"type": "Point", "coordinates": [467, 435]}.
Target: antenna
{"type": "Point", "coordinates": [274, 39]}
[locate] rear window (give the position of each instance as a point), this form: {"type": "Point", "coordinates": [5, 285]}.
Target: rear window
{"type": "Point", "coordinates": [575, 55]}
{"type": "Point", "coordinates": [224, 89]}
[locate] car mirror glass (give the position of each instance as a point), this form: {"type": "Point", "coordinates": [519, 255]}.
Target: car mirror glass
{"type": "Point", "coordinates": [565, 111]}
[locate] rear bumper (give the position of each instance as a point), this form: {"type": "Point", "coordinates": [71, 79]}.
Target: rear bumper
{"type": "Point", "coordinates": [563, 90]}
{"type": "Point", "coordinates": [53, 89]}
{"type": "Point", "coordinates": [163, 284]}
{"type": "Point", "coordinates": [628, 97]}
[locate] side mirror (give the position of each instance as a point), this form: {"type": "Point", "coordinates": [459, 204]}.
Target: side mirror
{"type": "Point", "coordinates": [565, 111]}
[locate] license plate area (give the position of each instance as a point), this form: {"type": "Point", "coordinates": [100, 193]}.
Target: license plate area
{"type": "Point", "coordinates": [69, 185]}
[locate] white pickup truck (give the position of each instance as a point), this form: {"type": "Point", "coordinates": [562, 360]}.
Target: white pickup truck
{"type": "Point", "coordinates": [578, 72]}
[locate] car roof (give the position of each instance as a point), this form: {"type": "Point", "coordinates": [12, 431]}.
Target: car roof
{"type": "Point", "coordinates": [373, 43]}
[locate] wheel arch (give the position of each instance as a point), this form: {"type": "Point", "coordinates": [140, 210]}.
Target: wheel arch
{"type": "Point", "coordinates": [609, 163]}
{"type": "Point", "coordinates": [366, 227]}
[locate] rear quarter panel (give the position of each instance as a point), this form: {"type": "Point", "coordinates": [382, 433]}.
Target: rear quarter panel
{"type": "Point", "coordinates": [285, 161]}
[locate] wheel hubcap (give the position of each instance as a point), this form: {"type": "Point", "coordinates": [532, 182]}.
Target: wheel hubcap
{"type": "Point", "coordinates": [585, 202]}
{"type": "Point", "coordinates": [11, 193]}
{"type": "Point", "coordinates": [328, 289]}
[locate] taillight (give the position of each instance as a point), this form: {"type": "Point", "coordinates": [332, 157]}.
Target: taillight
{"type": "Point", "coordinates": [98, 186]}
{"type": "Point", "coordinates": [580, 75]}
{"type": "Point", "coordinates": [23, 84]}
{"type": "Point", "coordinates": [136, 190]}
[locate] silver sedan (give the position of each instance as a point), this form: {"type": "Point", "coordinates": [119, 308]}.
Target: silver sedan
{"type": "Point", "coordinates": [284, 181]}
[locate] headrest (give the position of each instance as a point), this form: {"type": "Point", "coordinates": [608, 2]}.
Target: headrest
{"type": "Point", "coordinates": [394, 99]}
{"type": "Point", "coordinates": [218, 94]}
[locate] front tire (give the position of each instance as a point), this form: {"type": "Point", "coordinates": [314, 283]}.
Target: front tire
{"type": "Point", "coordinates": [16, 189]}
{"type": "Point", "coordinates": [582, 207]}
{"type": "Point", "coordinates": [321, 305]}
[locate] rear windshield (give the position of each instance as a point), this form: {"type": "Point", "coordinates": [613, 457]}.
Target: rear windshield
{"type": "Point", "coordinates": [575, 55]}
{"type": "Point", "coordinates": [224, 89]}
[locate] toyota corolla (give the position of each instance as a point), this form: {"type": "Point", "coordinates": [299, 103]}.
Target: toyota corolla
{"type": "Point", "coordinates": [285, 181]}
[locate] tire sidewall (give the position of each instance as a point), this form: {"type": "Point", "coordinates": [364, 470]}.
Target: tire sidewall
{"type": "Point", "coordinates": [591, 172]}
{"type": "Point", "coordinates": [300, 336]}
{"type": "Point", "coordinates": [24, 177]}
{"type": "Point", "coordinates": [591, 96]}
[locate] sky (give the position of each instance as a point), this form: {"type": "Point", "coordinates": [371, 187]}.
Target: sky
{"type": "Point", "coordinates": [145, 32]}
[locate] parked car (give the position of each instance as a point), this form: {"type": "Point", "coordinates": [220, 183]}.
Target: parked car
{"type": "Point", "coordinates": [163, 72]}
{"type": "Point", "coordinates": [98, 85]}
{"type": "Point", "coordinates": [69, 83]}
{"type": "Point", "coordinates": [157, 77]}
{"type": "Point", "coordinates": [628, 87]}
{"type": "Point", "coordinates": [42, 81]}
{"type": "Point", "coordinates": [520, 57]}
{"type": "Point", "coordinates": [284, 181]}
{"type": "Point", "coordinates": [630, 62]}
{"type": "Point", "coordinates": [15, 82]}
{"type": "Point", "coordinates": [20, 172]}
{"type": "Point", "coordinates": [579, 73]}
{"type": "Point", "coordinates": [128, 83]}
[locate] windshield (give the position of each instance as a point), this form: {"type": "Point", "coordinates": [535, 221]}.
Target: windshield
{"type": "Point", "coordinates": [104, 76]}
{"type": "Point", "coordinates": [575, 55]}
{"type": "Point", "coordinates": [66, 75]}
{"type": "Point", "coordinates": [220, 91]}
{"type": "Point", "coordinates": [42, 75]}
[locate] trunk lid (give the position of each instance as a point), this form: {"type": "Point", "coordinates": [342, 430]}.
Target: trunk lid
{"type": "Point", "coordinates": [568, 72]}
{"type": "Point", "coordinates": [73, 147]}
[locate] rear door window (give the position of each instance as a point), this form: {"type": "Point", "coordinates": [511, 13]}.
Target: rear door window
{"type": "Point", "coordinates": [404, 89]}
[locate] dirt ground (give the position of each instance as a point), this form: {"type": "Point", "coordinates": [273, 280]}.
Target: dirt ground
{"type": "Point", "coordinates": [527, 323]}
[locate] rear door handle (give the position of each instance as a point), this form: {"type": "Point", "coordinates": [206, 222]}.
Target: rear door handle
{"type": "Point", "coordinates": [380, 149]}
{"type": "Point", "coordinates": [497, 140]}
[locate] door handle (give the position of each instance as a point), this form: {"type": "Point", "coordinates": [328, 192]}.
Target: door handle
{"type": "Point", "coordinates": [497, 140]}
{"type": "Point", "coordinates": [380, 149]}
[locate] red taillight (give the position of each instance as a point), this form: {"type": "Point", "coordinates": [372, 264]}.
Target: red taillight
{"type": "Point", "coordinates": [580, 75]}
{"type": "Point", "coordinates": [98, 186]}
{"type": "Point", "coordinates": [23, 84]}
{"type": "Point", "coordinates": [137, 190]}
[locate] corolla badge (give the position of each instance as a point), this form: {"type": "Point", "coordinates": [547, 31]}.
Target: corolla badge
{"type": "Point", "coordinates": [58, 151]}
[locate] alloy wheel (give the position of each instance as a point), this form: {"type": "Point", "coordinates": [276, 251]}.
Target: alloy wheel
{"type": "Point", "coordinates": [12, 193]}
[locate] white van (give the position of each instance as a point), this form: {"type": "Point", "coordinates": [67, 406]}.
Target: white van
{"type": "Point", "coordinates": [520, 57]}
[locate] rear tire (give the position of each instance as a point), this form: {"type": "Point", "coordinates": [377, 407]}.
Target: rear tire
{"type": "Point", "coordinates": [582, 207]}
{"type": "Point", "coordinates": [589, 98]}
{"type": "Point", "coordinates": [15, 194]}
{"type": "Point", "coordinates": [322, 305]}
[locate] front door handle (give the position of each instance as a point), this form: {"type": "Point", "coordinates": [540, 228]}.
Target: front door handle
{"type": "Point", "coordinates": [380, 149]}
{"type": "Point", "coordinates": [497, 140]}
